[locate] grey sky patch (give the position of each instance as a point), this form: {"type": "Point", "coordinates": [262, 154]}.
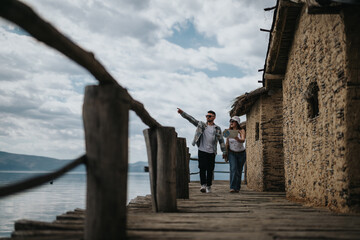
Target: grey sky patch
{"type": "Point", "coordinates": [139, 4]}
{"type": "Point", "coordinates": [10, 74]}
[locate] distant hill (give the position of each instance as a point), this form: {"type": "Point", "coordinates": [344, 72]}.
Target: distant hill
{"type": "Point", "coordinates": [21, 162]}
{"type": "Point", "coordinates": [11, 161]}
{"type": "Point", "coordinates": [137, 167]}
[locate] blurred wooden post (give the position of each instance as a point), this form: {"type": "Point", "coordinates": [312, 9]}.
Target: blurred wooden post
{"type": "Point", "coordinates": [151, 148]}
{"type": "Point", "coordinates": [182, 183]}
{"type": "Point", "coordinates": [245, 173]}
{"type": "Point", "coordinates": [106, 120]}
{"type": "Point", "coordinates": [188, 163]}
{"type": "Point", "coordinates": [162, 164]}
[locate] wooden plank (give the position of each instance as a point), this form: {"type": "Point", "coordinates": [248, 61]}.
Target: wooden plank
{"type": "Point", "coordinates": [222, 215]}
{"type": "Point", "coordinates": [201, 234]}
{"type": "Point", "coordinates": [24, 224]}
{"type": "Point", "coordinates": [70, 217]}
{"type": "Point", "coordinates": [48, 234]}
{"type": "Point", "coordinates": [271, 212]}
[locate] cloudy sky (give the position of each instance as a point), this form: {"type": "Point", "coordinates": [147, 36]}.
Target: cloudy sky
{"type": "Point", "coordinates": [193, 54]}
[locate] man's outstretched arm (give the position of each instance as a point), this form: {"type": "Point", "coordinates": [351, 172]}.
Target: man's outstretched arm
{"type": "Point", "coordinates": [188, 117]}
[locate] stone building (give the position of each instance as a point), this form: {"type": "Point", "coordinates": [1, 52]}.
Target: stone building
{"type": "Point", "coordinates": [312, 72]}
{"type": "Point", "coordinates": [264, 148]}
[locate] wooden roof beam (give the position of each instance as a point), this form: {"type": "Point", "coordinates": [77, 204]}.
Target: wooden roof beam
{"type": "Point", "coordinates": [273, 80]}
{"type": "Point", "coordinates": [269, 76]}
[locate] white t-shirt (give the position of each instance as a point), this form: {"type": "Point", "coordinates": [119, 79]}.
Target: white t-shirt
{"type": "Point", "coordinates": [207, 140]}
{"type": "Point", "coordinates": [236, 146]}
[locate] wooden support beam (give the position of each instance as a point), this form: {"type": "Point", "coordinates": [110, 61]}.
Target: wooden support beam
{"type": "Point", "coordinates": [151, 148]}
{"type": "Point", "coordinates": [273, 80]}
{"type": "Point", "coordinates": [166, 169]}
{"type": "Point", "coordinates": [265, 30]}
{"type": "Point", "coordinates": [182, 170]}
{"type": "Point", "coordinates": [161, 149]}
{"type": "Point", "coordinates": [270, 8]}
{"type": "Point", "coordinates": [106, 135]}
{"type": "Point", "coordinates": [269, 76]}
{"type": "Point", "coordinates": [188, 155]}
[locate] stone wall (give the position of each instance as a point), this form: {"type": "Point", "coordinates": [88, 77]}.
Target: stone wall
{"type": "Point", "coordinates": [272, 140]}
{"type": "Point", "coordinates": [265, 164]}
{"type": "Point", "coordinates": [314, 113]}
{"type": "Point", "coordinates": [254, 153]}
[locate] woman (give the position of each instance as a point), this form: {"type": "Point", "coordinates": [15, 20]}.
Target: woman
{"type": "Point", "coordinates": [236, 154]}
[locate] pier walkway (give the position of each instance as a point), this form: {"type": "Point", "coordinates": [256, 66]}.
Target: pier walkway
{"type": "Point", "coordinates": [216, 215]}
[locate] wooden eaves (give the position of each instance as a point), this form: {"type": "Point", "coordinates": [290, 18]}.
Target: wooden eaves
{"type": "Point", "coordinates": [280, 41]}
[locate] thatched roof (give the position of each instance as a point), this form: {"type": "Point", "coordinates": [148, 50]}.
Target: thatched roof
{"type": "Point", "coordinates": [243, 103]}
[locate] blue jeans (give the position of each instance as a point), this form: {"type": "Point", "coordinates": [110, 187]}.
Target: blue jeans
{"type": "Point", "coordinates": [237, 161]}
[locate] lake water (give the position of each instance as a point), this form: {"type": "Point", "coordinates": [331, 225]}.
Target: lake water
{"type": "Point", "coordinates": [44, 203]}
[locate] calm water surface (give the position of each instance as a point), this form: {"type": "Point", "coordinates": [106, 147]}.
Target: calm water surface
{"type": "Point", "coordinates": [44, 203]}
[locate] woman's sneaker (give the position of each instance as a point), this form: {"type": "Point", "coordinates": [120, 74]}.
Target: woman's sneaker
{"type": "Point", "coordinates": [203, 188]}
{"type": "Point", "coordinates": [208, 189]}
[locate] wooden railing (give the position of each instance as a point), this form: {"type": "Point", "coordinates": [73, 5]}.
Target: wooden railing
{"type": "Point", "coordinates": [216, 162]}
{"type": "Point", "coordinates": [196, 159]}
{"type": "Point", "coordinates": [106, 123]}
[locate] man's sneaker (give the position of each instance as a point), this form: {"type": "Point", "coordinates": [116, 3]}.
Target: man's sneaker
{"type": "Point", "coordinates": [203, 188]}
{"type": "Point", "coordinates": [208, 189]}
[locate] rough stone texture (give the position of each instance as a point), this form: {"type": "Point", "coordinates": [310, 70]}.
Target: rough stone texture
{"type": "Point", "coordinates": [265, 163]}
{"type": "Point", "coordinates": [321, 152]}
{"type": "Point", "coordinates": [272, 139]}
{"type": "Point", "coordinates": [254, 153]}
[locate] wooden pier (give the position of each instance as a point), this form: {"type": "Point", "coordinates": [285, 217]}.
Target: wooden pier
{"type": "Point", "coordinates": [216, 215]}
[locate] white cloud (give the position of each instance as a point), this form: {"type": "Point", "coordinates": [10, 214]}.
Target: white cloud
{"type": "Point", "coordinates": [41, 91]}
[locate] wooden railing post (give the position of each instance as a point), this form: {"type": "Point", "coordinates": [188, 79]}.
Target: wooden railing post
{"type": "Point", "coordinates": [188, 155]}
{"type": "Point", "coordinates": [182, 170]}
{"type": "Point", "coordinates": [151, 147]}
{"type": "Point", "coordinates": [106, 119]}
{"type": "Point", "coordinates": [161, 149]}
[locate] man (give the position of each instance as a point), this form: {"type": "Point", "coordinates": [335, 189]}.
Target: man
{"type": "Point", "coordinates": [206, 137]}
